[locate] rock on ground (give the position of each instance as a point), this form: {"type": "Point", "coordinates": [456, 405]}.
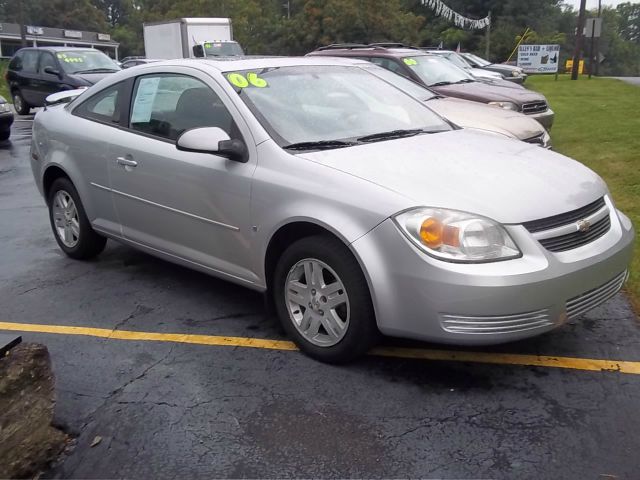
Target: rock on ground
{"type": "Point", "coordinates": [28, 442]}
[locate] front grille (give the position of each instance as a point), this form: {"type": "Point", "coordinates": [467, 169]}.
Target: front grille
{"type": "Point", "coordinates": [537, 140]}
{"type": "Point", "coordinates": [591, 299]}
{"type": "Point", "coordinates": [495, 325]}
{"type": "Point", "coordinates": [577, 239]}
{"type": "Point", "coordinates": [564, 218]}
{"type": "Point", "coordinates": [534, 107]}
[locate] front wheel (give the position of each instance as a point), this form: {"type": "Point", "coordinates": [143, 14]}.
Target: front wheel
{"type": "Point", "coordinates": [70, 224]}
{"type": "Point", "coordinates": [323, 301]}
{"type": "Point", "coordinates": [19, 103]}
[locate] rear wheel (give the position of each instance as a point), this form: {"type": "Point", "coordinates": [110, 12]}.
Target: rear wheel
{"type": "Point", "coordinates": [69, 222]}
{"type": "Point", "coordinates": [19, 103]}
{"type": "Point", "coordinates": [323, 300]}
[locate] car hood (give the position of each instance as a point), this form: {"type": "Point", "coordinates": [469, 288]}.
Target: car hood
{"type": "Point", "coordinates": [504, 179]}
{"type": "Point", "coordinates": [483, 92]}
{"type": "Point", "coordinates": [484, 117]}
{"type": "Point", "coordinates": [90, 78]}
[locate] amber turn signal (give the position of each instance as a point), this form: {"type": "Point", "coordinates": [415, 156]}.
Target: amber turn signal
{"type": "Point", "coordinates": [433, 233]}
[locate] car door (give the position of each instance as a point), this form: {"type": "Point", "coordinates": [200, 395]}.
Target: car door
{"type": "Point", "coordinates": [28, 77]}
{"type": "Point", "coordinates": [88, 135]}
{"type": "Point", "coordinates": [47, 83]}
{"type": "Point", "coordinates": [193, 206]}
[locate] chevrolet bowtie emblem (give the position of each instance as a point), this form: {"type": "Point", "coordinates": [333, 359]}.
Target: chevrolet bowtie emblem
{"type": "Point", "coordinates": [583, 225]}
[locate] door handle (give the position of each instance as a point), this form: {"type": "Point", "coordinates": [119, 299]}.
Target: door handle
{"type": "Point", "coordinates": [126, 162]}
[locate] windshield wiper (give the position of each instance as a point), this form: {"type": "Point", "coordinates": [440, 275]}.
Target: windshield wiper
{"type": "Point", "coordinates": [96, 70]}
{"type": "Point", "coordinates": [440, 84]}
{"type": "Point", "coordinates": [392, 134]}
{"type": "Point", "coordinates": [465, 80]}
{"type": "Point", "coordinates": [319, 145]}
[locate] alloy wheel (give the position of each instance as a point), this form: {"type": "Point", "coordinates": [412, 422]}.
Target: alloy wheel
{"type": "Point", "coordinates": [66, 220]}
{"type": "Point", "coordinates": [317, 302]}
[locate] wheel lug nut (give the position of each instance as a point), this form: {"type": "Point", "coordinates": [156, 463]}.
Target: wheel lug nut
{"type": "Point", "coordinates": [321, 312]}
{"type": "Point", "coordinates": [323, 299]}
{"type": "Point", "coordinates": [313, 292]}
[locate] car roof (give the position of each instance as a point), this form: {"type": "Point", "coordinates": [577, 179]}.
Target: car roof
{"type": "Point", "coordinates": [379, 49]}
{"type": "Point", "coordinates": [61, 49]}
{"type": "Point", "coordinates": [230, 64]}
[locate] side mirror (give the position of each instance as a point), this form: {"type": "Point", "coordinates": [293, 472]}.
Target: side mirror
{"type": "Point", "coordinates": [213, 140]}
{"type": "Point", "coordinates": [198, 51]}
{"type": "Point", "coordinates": [52, 71]}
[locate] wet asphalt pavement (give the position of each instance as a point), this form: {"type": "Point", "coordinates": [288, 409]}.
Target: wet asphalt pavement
{"type": "Point", "coordinates": [165, 410]}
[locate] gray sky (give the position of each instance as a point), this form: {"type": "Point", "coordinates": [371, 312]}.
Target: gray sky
{"type": "Point", "coordinates": [594, 3]}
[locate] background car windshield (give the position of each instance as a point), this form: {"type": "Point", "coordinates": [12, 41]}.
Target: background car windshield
{"type": "Point", "coordinates": [432, 69]}
{"type": "Point", "coordinates": [317, 103]}
{"type": "Point", "coordinates": [403, 83]}
{"type": "Point", "coordinates": [82, 60]}
{"type": "Point", "coordinates": [457, 60]}
{"type": "Point", "coordinates": [222, 49]}
{"type": "Point", "coordinates": [480, 61]}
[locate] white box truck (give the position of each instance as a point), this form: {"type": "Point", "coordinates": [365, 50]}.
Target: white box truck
{"type": "Point", "coordinates": [189, 38]}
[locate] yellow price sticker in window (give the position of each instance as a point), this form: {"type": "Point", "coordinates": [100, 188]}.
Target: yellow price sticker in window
{"type": "Point", "coordinates": [410, 61]}
{"type": "Point", "coordinates": [251, 80]}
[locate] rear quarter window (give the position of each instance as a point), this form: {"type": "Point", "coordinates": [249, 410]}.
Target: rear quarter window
{"type": "Point", "coordinates": [16, 62]}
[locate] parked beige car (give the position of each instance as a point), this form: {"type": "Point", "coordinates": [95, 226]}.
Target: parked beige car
{"type": "Point", "coordinates": [468, 114]}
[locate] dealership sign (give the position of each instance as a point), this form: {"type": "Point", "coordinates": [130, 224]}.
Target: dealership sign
{"type": "Point", "coordinates": [539, 58]}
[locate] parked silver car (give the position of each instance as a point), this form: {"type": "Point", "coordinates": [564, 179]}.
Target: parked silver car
{"type": "Point", "coordinates": [467, 114]}
{"type": "Point", "coordinates": [354, 205]}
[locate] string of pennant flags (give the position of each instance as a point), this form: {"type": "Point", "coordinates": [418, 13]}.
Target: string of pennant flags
{"type": "Point", "coordinates": [460, 21]}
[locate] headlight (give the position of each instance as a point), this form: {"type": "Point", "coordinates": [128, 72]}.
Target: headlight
{"type": "Point", "coordinates": [505, 105]}
{"type": "Point", "coordinates": [456, 236]}
{"type": "Point", "coordinates": [514, 73]}
{"type": "Point", "coordinates": [4, 107]}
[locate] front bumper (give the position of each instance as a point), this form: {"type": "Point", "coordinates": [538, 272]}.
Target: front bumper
{"type": "Point", "coordinates": [519, 79]}
{"type": "Point", "coordinates": [418, 296]}
{"type": "Point", "coordinates": [544, 118]}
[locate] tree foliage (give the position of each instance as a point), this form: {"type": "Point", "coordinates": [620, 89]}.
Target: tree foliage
{"type": "Point", "coordinates": [297, 26]}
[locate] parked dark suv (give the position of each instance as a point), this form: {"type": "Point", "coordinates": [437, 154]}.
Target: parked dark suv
{"type": "Point", "coordinates": [443, 77]}
{"type": "Point", "coordinates": [35, 73]}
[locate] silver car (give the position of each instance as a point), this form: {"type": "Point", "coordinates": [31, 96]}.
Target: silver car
{"type": "Point", "coordinates": [467, 114]}
{"type": "Point", "coordinates": [352, 204]}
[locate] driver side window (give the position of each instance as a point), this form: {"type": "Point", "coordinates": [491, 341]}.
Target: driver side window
{"type": "Point", "coordinates": [166, 105]}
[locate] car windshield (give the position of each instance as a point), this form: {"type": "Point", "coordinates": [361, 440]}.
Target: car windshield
{"type": "Point", "coordinates": [85, 61]}
{"type": "Point", "coordinates": [456, 59]}
{"type": "Point", "coordinates": [403, 83]}
{"type": "Point", "coordinates": [222, 49]}
{"type": "Point", "coordinates": [480, 61]}
{"type": "Point", "coordinates": [434, 71]}
{"type": "Point", "coordinates": [333, 105]}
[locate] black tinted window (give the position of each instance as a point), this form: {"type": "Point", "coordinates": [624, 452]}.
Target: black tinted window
{"type": "Point", "coordinates": [30, 61]}
{"type": "Point", "coordinates": [16, 62]}
{"type": "Point", "coordinates": [47, 60]}
{"type": "Point", "coordinates": [167, 105]}
{"type": "Point", "coordinates": [104, 106]}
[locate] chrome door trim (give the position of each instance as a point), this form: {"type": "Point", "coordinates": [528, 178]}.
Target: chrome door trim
{"type": "Point", "coordinates": [171, 209]}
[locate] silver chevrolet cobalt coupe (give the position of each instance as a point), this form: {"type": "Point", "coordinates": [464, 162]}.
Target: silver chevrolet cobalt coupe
{"type": "Point", "coordinates": [357, 208]}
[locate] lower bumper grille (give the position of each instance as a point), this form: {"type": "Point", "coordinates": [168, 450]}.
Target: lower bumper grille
{"type": "Point", "coordinates": [591, 299]}
{"type": "Point", "coordinates": [495, 325]}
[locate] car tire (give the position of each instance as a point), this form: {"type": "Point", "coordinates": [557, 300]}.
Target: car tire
{"type": "Point", "coordinates": [4, 135]}
{"type": "Point", "coordinates": [331, 319]}
{"type": "Point", "coordinates": [20, 104]}
{"type": "Point", "coordinates": [71, 227]}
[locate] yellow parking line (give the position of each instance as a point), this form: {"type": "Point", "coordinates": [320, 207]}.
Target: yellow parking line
{"type": "Point", "coordinates": [588, 364]}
